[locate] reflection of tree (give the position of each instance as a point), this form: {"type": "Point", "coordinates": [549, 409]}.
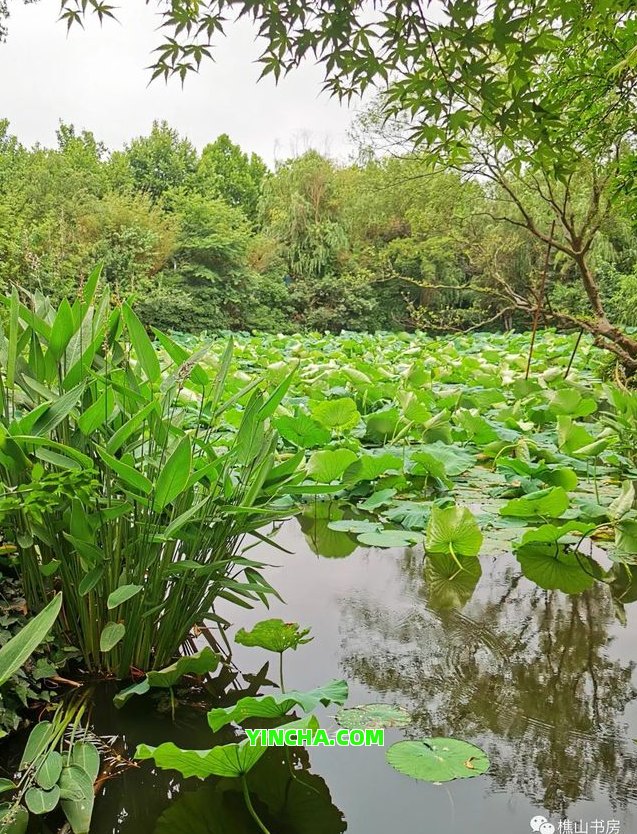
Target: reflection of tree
{"type": "Point", "coordinates": [525, 672]}
{"type": "Point", "coordinates": [148, 800]}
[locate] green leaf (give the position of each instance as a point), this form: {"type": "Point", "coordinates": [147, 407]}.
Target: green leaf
{"type": "Point", "coordinates": [389, 538]}
{"type": "Point", "coordinates": [553, 533]}
{"type": "Point", "coordinates": [75, 783]}
{"type": "Point", "coordinates": [142, 345]}
{"type": "Point", "coordinates": [57, 411]}
{"type": "Point", "coordinates": [121, 594]}
{"type": "Point", "coordinates": [438, 759]}
{"type": "Point", "coordinates": [274, 635]}
{"type": "Point", "coordinates": [97, 414]}
{"type": "Point", "coordinates": [40, 801]}
{"type": "Point", "coordinates": [200, 663]}
{"type": "Point", "coordinates": [38, 740]}
{"type": "Point", "coordinates": [328, 465]}
{"type": "Point", "coordinates": [625, 502]}
{"type": "Point", "coordinates": [49, 771]}
{"type": "Point", "coordinates": [371, 467]}
{"type": "Point", "coordinates": [544, 503]}
{"type": "Point", "coordinates": [626, 536]}
{"type": "Point", "coordinates": [124, 695]}
{"type": "Point", "coordinates": [455, 459]}
{"type": "Point", "coordinates": [381, 426]}
{"type": "Point", "coordinates": [13, 819]}
{"type": "Point", "coordinates": [554, 568]}
{"type": "Point", "coordinates": [62, 330]}
{"type": "Point", "coordinates": [7, 785]}
{"type": "Point", "coordinates": [90, 580]}
{"type": "Point", "coordinates": [15, 653]}
{"type": "Point", "coordinates": [174, 475]}
{"type": "Point", "coordinates": [339, 414]}
{"type": "Point", "coordinates": [84, 754]}
{"type": "Point", "coordinates": [229, 760]}
{"type": "Point", "coordinates": [302, 431]}
{"type": "Point", "coordinates": [453, 530]}
{"type": "Point", "coordinates": [126, 473]}
{"type": "Point", "coordinates": [430, 465]}
{"type": "Point", "coordinates": [373, 716]}
{"type": "Point", "coordinates": [274, 706]}
{"type": "Point", "coordinates": [111, 634]}
{"type": "Point", "coordinates": [378, 499]}
{"type": "Point", "coordinates": [78, 813]}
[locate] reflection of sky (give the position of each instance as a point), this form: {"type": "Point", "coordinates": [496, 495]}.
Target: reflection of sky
{"type": "Point", "coordinates": [372, 626]}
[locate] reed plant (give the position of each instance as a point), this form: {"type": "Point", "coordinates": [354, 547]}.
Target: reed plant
{"type": "Point", "coordinates": [131, 475]}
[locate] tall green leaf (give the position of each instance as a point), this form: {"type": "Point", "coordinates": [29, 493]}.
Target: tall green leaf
{"type": "Point", "coordinates": [142, 345]}
{"type": "Point", "coordinates": [19, 648]}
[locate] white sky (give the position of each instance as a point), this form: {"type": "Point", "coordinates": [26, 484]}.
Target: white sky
{"type": "Point", "coordinates": [96, 79]}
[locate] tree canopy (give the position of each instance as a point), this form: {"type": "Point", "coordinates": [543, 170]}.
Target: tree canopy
{"type": "Point", "coordinates": [538, 73]}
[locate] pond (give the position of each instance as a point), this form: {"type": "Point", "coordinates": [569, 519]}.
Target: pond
{"type": "Point", "coordinates": [542, 681]}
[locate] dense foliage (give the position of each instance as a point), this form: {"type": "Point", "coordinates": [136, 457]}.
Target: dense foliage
{"type": "Point", "coordinates": [214, 241]}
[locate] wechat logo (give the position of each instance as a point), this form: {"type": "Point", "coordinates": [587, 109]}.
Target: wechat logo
{"type": "Point", "coordinates": [542, 825]}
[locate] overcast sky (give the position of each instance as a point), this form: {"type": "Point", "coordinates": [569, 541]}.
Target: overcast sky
{"type": "Point", "coordinates": [96, 79]}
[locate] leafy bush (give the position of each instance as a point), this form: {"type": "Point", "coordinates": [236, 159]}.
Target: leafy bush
{"type": "Point", "coordinates": [124, 483]}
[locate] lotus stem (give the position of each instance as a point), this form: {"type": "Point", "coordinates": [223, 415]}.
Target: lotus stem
{"type": "Point", "coordinates": [250, 806]}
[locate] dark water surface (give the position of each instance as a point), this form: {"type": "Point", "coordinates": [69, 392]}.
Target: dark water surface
{"type": "Point", "coordinates": [544, 682]}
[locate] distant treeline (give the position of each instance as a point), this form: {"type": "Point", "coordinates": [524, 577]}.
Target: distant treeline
{"type": "Point", "coordinates": [217, 241]}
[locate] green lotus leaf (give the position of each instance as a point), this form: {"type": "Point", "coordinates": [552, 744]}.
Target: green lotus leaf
{"type": "Point", "coordinates": [372, 716]}
{"type": "Point", "coordinates": [339, 414]}
{"type": "Point", "coordinates": [278, 704]}
{"type": "Point", "coordinates": [543, 503]}
{"type": "Point", "coordinates": [438, 759]}
{"type": "Point", "coordinates": [453, 530]}
{"type": "Point", "coordinates": [553, 567]}
{"type": "Point", "coordinates": [274, 635]}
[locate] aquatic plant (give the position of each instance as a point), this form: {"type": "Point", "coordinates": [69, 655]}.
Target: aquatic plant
{"type": "Point", "coordinates": [123, 483]}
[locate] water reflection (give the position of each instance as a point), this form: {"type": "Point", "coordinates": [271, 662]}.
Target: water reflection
{"type": "Point", "coordinates": [287, 797]}
{"type": "Point", "coordinates": [331, 544]}
{"type": "Point", "coordinates": [525, 671]}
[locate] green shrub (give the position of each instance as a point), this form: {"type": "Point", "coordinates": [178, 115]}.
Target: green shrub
{"type": "Point", "coordinates": [124, 484]}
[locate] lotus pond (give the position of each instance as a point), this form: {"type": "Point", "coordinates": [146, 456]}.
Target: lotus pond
{"type": "Point", "coordinates": [457, 542]}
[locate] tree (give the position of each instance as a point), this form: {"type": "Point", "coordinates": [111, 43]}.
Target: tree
{"type": "Point", "coordinates": [161, 161]}
{"type": "Point", "coordinates": [550, 84]}
{"type": "Point", "coordinates": [533, 70]}
{"type": "Point", "coordinates": [225, 171]}
{"type": "Point", "coordinates": [210, 285]}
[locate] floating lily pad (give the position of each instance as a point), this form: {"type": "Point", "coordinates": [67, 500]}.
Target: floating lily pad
{"type": "Point", "coordinates": [372, 716]}
{"type": "Point", "coordinates": [438, 759]}
{"type": "Point", "coordinates": [389, 538]}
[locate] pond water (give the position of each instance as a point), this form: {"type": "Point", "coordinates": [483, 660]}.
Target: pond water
{"type": "Point", "coordinates": [542, 681]}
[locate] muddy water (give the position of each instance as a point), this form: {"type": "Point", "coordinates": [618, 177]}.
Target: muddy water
{"type": "Point", "coordinates": [544, 682]}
